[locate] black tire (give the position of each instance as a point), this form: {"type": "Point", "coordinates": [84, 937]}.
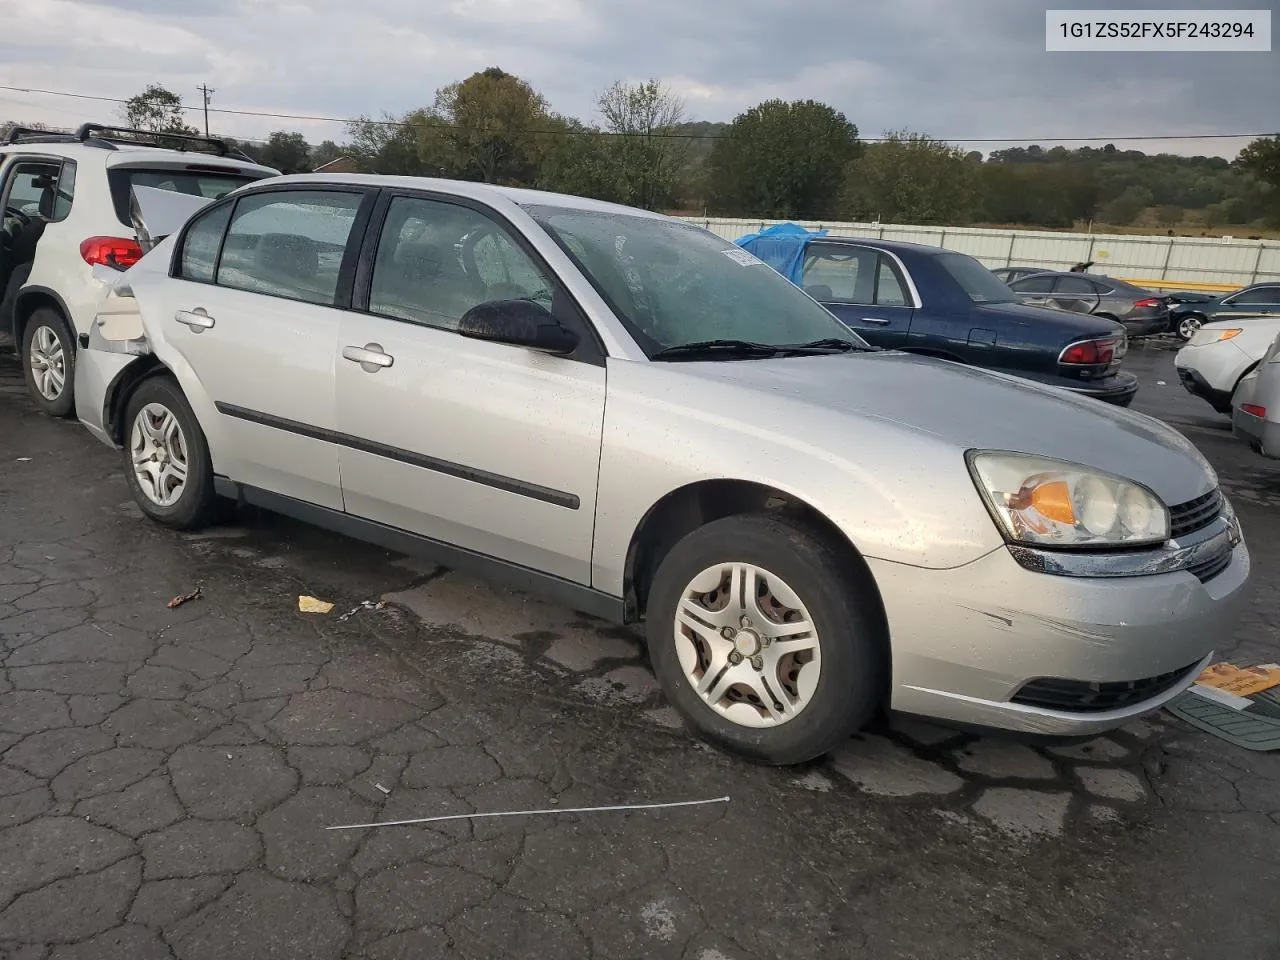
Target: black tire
{"type": "Point", "coordinates": [46, 318]}
{"type": "Point", "coordinates": [197, 505]}
{"type": "Point", "coordinates": [841, 597]}
{"type": "Point", "coordinates": [1177, 329]}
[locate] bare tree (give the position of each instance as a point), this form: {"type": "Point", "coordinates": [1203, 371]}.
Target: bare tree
{"type": "Point", "coordinates": [646, 151]}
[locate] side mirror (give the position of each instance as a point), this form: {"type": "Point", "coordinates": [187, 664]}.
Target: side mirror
{"type": "Point", "coordinates": [521, 323]}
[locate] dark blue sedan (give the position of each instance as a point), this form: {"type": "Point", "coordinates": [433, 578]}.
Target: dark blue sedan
{"type": "Point", "coordinates": [940, 303]}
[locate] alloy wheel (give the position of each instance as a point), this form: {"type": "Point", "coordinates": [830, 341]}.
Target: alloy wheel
{"type": "Point", "coordinates": [747, 644]}
{"type": "Point", "coordinates": [158, 450]}
{"type": "Point", "coordinates": [48, 363]}
{"type": "Point", "coordinates": [1188, 326]}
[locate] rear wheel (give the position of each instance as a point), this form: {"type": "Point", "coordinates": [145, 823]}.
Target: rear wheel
{"type": "Point", "coordinates": [1188, 326]}
{"type": "Point", "coordinates": [767, 637]}
{"type": "Point", "coordinates": [166, 457]}
{"type": "Point", "coordinates": [48, 362]}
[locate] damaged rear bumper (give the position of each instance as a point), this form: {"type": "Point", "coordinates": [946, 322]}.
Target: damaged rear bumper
{"type": "Point", "coordinates": [992, 644]}
{"type": "Point", "coordinates": [114, 343]}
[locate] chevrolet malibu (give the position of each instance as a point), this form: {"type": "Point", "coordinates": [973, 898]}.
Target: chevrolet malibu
{"type": "Point", "coordinates": [644, 422]}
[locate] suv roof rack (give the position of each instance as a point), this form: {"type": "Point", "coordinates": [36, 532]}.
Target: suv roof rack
{"type": "Point", "coordinates": [108, 134]}
{"type": "Point", "coordinates": [18, 134]}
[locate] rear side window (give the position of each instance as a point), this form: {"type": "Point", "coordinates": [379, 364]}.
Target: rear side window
{"type": "Point", "coordinates": [1033, 284]}
{"type": "Point", "coordinates": [200, 247]}
{"type": "Point", "coordinates": [1075, 286]}
{"type": "Point", "coordinates": [289, 244]}
{"type": "Point", "coordinates": [842, 274]}
{"type": "Point", "coordinates": [210, 183]}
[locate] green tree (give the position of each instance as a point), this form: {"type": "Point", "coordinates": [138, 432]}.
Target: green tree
{"type": "Point", "coordinates": [1124, 209]}
{"type": "Point", "coordinates": [645, 151]}
{"type": "Point", "coordinates": [326, 152]}
{"type": "Point", "coordinates": [287, 151]}
{"type": "Point", "coordinates": [391, 145]}
{"type": "Point", "coordinates": [489, 124]}
{"type": "Point", "coordinates": [574, 158]}
{"type": "Point", "coordinates": [910, 178]}
{"type": "Point", "coordinates": [1261, 159]}
{"type": "Point", "coordinates": [783, 160]}
{"type": "Point", "coordinates": [156, 109]}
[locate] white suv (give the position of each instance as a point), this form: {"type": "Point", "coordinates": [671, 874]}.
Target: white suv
{"type": "Point", "coordinates": [66, 208]}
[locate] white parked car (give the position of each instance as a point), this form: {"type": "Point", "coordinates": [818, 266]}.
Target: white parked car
{"type": "Point", "coordinates": [640, 419]}
{"type": "Point", "coordinates": [1219, 355]}
{"type": "Point", "coordinates": [66, 200]}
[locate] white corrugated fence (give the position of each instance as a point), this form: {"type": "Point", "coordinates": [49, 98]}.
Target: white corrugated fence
{"type": "Point", "coordinates": [1188, 262]}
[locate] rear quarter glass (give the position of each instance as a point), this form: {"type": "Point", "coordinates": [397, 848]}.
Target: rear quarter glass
{"type": "Point", "coordinates": [197, 183]}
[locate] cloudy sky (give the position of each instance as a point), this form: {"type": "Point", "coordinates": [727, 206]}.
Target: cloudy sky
{"type": "Point", "coordinates": [957, 69]}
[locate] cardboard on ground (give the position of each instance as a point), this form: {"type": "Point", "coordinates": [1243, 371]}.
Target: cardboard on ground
{"type": "Point", "coordinates": [1242, 681]}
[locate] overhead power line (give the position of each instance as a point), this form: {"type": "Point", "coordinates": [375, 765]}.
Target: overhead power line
{"type": "Point", "coordinates": [667, 135]}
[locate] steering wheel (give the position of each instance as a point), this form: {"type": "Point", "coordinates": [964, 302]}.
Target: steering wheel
{"type": "Point", "coordinates": [15, 212]}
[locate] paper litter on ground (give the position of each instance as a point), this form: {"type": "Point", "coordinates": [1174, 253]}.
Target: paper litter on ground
{"type": "Point", "coordinates": [1239, 703]}
{"type": "Point", "coordinates": [312, 605]}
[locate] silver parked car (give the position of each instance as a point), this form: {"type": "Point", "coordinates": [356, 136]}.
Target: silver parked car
{"type": "Point", "coordinates": [645, 422]}
{"type": "Point", "coordinates": [1255, 407]}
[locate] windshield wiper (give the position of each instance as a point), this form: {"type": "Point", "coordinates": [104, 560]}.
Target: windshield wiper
{"type": "Point", "coordinates": [713, 348]}
{"type": "Point", "coordinates": [747, 349]}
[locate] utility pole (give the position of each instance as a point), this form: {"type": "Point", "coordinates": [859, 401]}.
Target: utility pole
{"type": "Point", "coordinates": [206, 92]}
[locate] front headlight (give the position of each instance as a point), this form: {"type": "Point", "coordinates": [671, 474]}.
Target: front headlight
{"type": "Point", "coordinates": [1052, 503]}
{"type": "Point", "coordinates": [1207, 335]}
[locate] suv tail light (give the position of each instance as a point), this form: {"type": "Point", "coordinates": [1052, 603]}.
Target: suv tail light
{"type": "Point", "coordinates": [1149, 302]}
{"type": "Point", "coordinates": [116, 252]}
{"type": "Point", "coordinates": [1089, 353]}
{"type": "Point", "coordinates": [1253, 409]}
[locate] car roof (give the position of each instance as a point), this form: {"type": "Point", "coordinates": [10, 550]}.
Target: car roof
{"type": "Point", "coordinates": [121, 152]}
{"type": "Point", "coordinates": [465, 188]}
{"type": "Point", "coordinates": [892, 246]}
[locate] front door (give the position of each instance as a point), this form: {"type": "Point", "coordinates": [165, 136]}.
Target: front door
{"type": "Point", "coordinates": [486, 446]}
{"type": "Point", "coordinates": [255, 330]}
{"type": "Point", "coordinates": [863, 288]}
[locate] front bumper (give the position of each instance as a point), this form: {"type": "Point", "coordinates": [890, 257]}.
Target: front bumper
{"type": "Point", "coordinates": [1195, 384]}
{"type": "Point", "coordinates": [991, 644]}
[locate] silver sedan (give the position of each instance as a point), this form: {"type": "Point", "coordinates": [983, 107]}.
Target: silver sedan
{"type": "Point", "coordinates": [641, 420]}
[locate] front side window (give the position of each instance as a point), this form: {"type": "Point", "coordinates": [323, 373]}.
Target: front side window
{"type": "Point", "coordinates": [32, 190]}
{"type": "Point", "coordinates": [437, 260]}
{"type": "Point", "coordinates": [672, 284]}
{"type": "Point", "coordinates": [1258, 296]}
{"type": "Point", "coordinates": [200, 247]}
{"type": "Point", "coordinates": [289, 243]}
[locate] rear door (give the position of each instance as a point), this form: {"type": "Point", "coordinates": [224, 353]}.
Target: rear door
{"type": "Point", "coordinates": [250, 322]}
{"type": "Point", "coordinates": [864, 287]}
{"type": "Point", "coordinates": [1075, 293]}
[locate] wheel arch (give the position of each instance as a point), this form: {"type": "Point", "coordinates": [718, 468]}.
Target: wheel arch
{"type": "Point", "coordinates": [687, 508]}
{"type": "Point", "coordinates": [121, 388]}
{"type": "Point", "coordinates": [32, 298]}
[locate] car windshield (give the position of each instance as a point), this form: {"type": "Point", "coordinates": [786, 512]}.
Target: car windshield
{"type": "Point", "coordinates": [674, 284]}
{"type": "Point", "coordinates": [978, 283]}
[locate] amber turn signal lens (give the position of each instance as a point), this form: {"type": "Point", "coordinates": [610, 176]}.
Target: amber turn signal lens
{"type": "Point", "coordinates": [1052, 500]}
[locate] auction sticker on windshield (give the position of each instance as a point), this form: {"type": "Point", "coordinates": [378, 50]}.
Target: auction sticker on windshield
{"type": "Point", "coordinates": [738, 255]}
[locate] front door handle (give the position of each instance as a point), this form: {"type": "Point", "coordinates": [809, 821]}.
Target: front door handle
{"type": "Point", "coordinates": [196, 319]}
{"type": "Point", "coordinates": [880, 320]}
{"type": "Point", "coordinates": [370, 357]}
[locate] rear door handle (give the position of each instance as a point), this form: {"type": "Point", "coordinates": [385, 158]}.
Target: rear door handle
{"type": "Point", "coordinates": [880, 320]}
{"type": "Point", "coordinates": [370, 357]}
{"type": "Point", "coordinates": [196, 319]}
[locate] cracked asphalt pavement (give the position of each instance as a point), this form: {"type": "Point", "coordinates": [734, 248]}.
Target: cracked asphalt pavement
{"type": "Point", "coordinates": [166, 775]}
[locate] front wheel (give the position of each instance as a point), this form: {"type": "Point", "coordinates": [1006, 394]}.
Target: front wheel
{"type": "Point", "coordinates": [1188, 326]}
{"type": "Point", "coordinates": [48, 362]}
{"type": "Point", "coordinates": [767, 636]}
{"type": "Point", "coordinates": [166, 457]}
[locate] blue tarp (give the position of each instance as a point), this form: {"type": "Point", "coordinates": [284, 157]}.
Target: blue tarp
{"type": "Point", "coordinates": [782, 247]}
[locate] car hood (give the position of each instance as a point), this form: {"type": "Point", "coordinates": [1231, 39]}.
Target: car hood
{"type": "Point", "coordinates": [979, 409]}
{"type": "Point", "coordinates": [1072, 326]}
